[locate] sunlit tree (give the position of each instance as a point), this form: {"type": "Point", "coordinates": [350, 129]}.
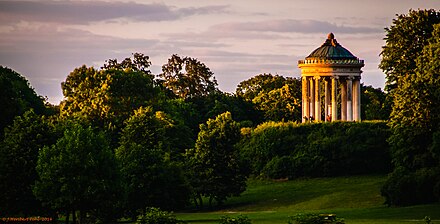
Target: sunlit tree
{"type": "Point", "coordinates": [188, 77]}
{"type": "Point", "coordinates": [214, 166]}
{"type": "Point", "coordinates": [415, 122]}
{"type": "Point", "coordinates": [108, 96]}
{"type": "Point", "coordinates": [404, 42]}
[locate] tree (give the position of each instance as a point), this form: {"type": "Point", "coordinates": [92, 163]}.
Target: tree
{"type": "Point", "coordinates": [78, 173]}
{"type": "Point", "coordinates": [16, 97]}
{"type": "Point", "coordinates": [214, 166]}
{"type": "Point", "coordinates": [404, 42]}
{"type": "Point", "coordinates": [18, 159]}
{"type": "Point", "coordinates": [187, 77]}
{"type": "Point", "coordinates": [249, 89]}
{"type": "Point", "coordinates": [108, 96]}
{"type": "Point", "coordinates": [376, 104]}
{"type": "Point", "coordinates": [415, 122]}
{"type": "Point", "coordinates": [277, 97]}
{"type": "Point", "coordinates": [139, 63]}
{"type": "Point", "coordinates": [151, 178]}
{"type": "Point", "coordinates": [217, 103]}
{"type": "Point", "coordinates": [280, 104]}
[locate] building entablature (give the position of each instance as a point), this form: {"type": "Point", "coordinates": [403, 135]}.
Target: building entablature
{"type": "Point", "coordinates": [331, 62]}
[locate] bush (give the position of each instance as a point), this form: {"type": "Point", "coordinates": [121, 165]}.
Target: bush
{"type": "Point", "coordinates": [157, 216]}
{"type": "Point", "coordinates": [241, 219]}
{"type": "Point", "coordinates": [278, 167]}
{"type": "Point", "coordinates": [290, 150]}
{"type": "Point", "coordinates": [314, 219]}
{"type": "Point", "coordinates": [404, 188]}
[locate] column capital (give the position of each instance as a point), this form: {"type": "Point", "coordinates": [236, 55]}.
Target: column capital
{"type": "Point", "coordinates": [349, 77]}
{"type": "Point", "coordinates": [335, 77]}
{"type": "Point", "coordinates": [316, 77]}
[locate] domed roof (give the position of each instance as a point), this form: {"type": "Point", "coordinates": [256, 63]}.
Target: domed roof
{"type": "Point", "coordinates": [331, 49]}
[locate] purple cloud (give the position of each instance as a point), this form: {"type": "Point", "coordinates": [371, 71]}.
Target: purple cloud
{"type": "Point", "coordinates": [84, 12]}
{"type": "Point", "coordinates": [293, 26]}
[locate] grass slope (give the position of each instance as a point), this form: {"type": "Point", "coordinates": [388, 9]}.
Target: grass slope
{"type": "Point", "coordinates": [356, 199]}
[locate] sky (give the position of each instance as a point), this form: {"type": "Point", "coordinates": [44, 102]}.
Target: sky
{"type": "Point", "coordinates": [237, 39]}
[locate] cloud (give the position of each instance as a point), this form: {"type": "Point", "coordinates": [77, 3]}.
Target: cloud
{"type": "Point", "coordinates": [292, 26]}
{"type": "Point", "coordinates": [279, 30]}
{"type": "Point", "coordinates": [45, 56]}
{"type": "Point", "coordinates": [85, 12]}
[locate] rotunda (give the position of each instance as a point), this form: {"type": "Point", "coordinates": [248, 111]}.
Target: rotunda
{"type": "Point", "coordinates": [331, 65]}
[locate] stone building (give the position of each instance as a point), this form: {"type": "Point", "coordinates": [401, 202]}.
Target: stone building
{"type": "Point", "coordinates": [326, 68]}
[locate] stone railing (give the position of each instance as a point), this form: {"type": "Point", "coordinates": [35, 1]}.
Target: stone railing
{"type": "Point", "coordinates": [332, 61]}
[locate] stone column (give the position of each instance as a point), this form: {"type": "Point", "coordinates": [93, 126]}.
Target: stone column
{"type": "Point", "coordinates": [349, 98]}
{"type": "Point", "coordinates": [327, 88]}
{"type": "Point", "coordinates": [312, 98]}
{"type": "Point", "coordinates": [344, 100]}
{"type": "Point", "coordinates": [357, 98]}
{"type": "Point", "coordinates": [304, 98]}
{"type": "Point", "coordinates": [334, 100]}
{"type": "Point", "coordinates": [317, 99]}
{"type": "Point", "coordinates": [307, 110]}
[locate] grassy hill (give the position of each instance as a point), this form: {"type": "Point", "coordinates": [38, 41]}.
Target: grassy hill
{"type": "Point", "coordinates": [356, 199]}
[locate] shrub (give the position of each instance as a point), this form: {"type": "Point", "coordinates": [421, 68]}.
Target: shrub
{"type": "Point", "coordinates": [241, 219]}
{"type": "Point", "coordinates": [290, 150]}
{"type": "Point", "coordinates": [407, 188]}
{"type": "Point", "coordinates": [314, 219]}
{"type": "Point", "coordinates": [278, 167]}
{"type": "Point", "coordinates": [157, 216]}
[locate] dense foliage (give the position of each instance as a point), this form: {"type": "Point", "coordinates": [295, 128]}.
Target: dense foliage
{"type": "Point", "coordinates": [376, 104]}
{"type": "Point", "coordinates": [18, 159]}
{"type": "Point", "coordinates": [415, 122]}
{"type": "Point", "coordinates": [289, 150]}
{"type": "Point", "coordinates": [214, 166]}
{"type": "Point", "coordinates": [78, 173]}
{"type": "Point", "coordinates": [108, 96]}
{"type": "Point", "coordinates": [188, 77]}
{"type": "Point", "coordinates": [404, 42]}
{"type": "Point", "coordinates": [16, 97]}
{"type": "Point", "coordinates": [151, 179]}
{"type": "Point", "coordinates": [278, 98]}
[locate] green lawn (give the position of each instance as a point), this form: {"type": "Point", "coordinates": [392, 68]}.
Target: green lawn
{"type": "Point", "coordinates": [356, 199]}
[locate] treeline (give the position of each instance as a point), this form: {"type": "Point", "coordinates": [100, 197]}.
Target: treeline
{"type": "Point", "coordinates": [124, 139]}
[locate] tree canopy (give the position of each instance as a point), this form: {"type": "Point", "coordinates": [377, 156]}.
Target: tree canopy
{"type": "Point", "coordinates": [16, 97]}
{"type": "Point", "coordinates": [415, 123]}
{"type": "Point", "coordinates": [277, 97]}
{"type": "Point", "coordinates": [213, 164]}
{"type": "Point", "coordinates": [108, 96]}
{"type": "Point", "coordinates": [78, 173]}
{"type": "Point", "coordinates": [188, 77]}
{"type": "Point", "coordinates": [18, 159]}
{"type": "Point", "coordinates": [151, 179]}
{"type": "Point", "coordinates": [376, 104]}
{"type": "Point", "coordinates": [249, 89]}
{"type": "Point", "coordinates": [404, 42]}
